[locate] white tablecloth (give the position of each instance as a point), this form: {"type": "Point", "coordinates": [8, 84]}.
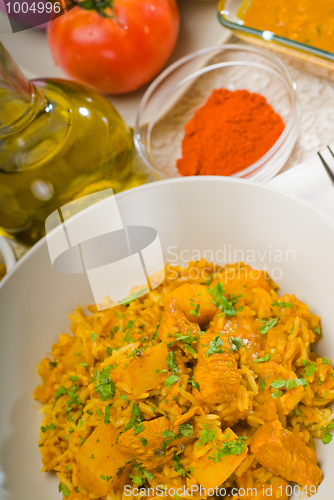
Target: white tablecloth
{"type": "Point", "coordinates": [310, 181]}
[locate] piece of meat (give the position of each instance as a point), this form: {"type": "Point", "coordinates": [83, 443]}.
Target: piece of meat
{"type": "Point", "coordinates": [147, 446]}
{"type": "Point", "coordinates": [216, 374]}
{"type": "Point", "coordinates": [270, 372]}
{"type": "Point", "coordinates": [175, 321]}
{"type": "Point", "coordinates": [285, 454]}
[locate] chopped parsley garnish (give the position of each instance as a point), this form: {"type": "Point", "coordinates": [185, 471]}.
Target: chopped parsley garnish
{"type": "Point", "coordinates": [327, 438]}
{"type": "Point", "coordinates": [128, 337]}
{"type": "Point", "coordinates": [229, 448]}
{"type": "Point", "coordinates": [60, 391]}
{"type": "Point", "coordinates": [99, 413]}
{"type": "Point", "coordinates": [105, 388]}
{"type": "Point", "coordinates": [325, 361]}
{"type": "Point", "coordinates": [155, 334]}
{"type": "Point", "coordinates": [295, 382]}
{"type": "Point", "coordinates": [288, 384]}
{"type": "Point", "coordinates": [49, 427]}
{"type": "Point", "coordinates": [171, 380]}
{"type": "Point", "coordinates": [297, 412]}
{"type": "Point", "coordinates": [129, 326]}
{"type": "Point", "coordinates": [120, 469]}
{"type": "Point", "coordinates": [186, 430]}
{"type": "Point", "coordinates": [215, 346]}
{"type": "Point", "coordinates": [83, 364]}
{"type": "Point", "coordinates": [281, 304]}
{"type": "Point", "coordinates": [143, 442]}
{"type": "Point", "coordinates": [207, 435]}
{"type": "Point", "coordinates": [62, 489]}
{"type": "Point", "coordinates": [138, 428]}
{"type": "Point", "coordinates": [310, 368]}
{"type": "Point", "coordinates": [278, 384]}
{"type": "Point", "coordinates": [135, 422]}
{"type": "Point", "coordinates": [235, 343]}
{"type": "Point", "coordinates": [142, 475]}
{"type": "Point", "coordinates": [187, 340]}
{"type": "Point", "coordinates": [208, 281]}
{"type": "Point", "coordinates": [177, 466]}
{"type": "Point", "coordinates": [196, 384]}
{"type": "Point", "coordinates": [106, 478]}
{"type": "Point", "coordinates": [220, 301]}
{"type": "Point", "coordinates": [93, 336]}
{"type": "Point", "coordinates": [276, 394]}
{"type": "Point", "coordinates": [80, 423]}
{"type": "Point", "coordinates": [170, 435]}
{"type": "Point", "coordinates": [167, 433]}
{"type": "Point", "coordinates": [170, 360]}
{"type": "Point", "coordinates": [268, 326]}
{"type": "Point", "coordinates": [73, 378]}
{"type": "Point", "coordinates": [110, 350]}
{"type": "Point", "coordinates": [262, 360]}
{"type": "Point", "coordinates": [234, 298]}
{"type": "Point", "coordinates": [195, 312]}
{"type": "Point", "coordinates": [107, 414]}
{"type": "Point", "coordinates": [317, 330]}
{"type": "Point", "coordinates": [262, 384]}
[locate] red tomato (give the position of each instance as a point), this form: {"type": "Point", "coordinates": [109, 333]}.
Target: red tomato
{"type": "Point", "coordinates": [115, 55]}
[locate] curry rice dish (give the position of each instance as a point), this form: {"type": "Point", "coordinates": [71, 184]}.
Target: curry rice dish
{"type": "Point", "coordinates": [209, 381]}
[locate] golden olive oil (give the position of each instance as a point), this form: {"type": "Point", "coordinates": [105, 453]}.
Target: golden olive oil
{"type": "Point", "coordinates": [59, 141]}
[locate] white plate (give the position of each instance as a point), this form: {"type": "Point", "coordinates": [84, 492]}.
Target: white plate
{"type": "Point", "coordinates": [204, 214]}
{"type": "Point", "coordinates": [200, 28]}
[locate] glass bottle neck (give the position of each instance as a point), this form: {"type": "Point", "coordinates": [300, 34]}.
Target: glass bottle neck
{"type": "Point", "coordinates": [20, 101]}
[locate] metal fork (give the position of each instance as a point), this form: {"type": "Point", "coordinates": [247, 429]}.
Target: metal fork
{"type": "Point", "coordinates": [327, 158]}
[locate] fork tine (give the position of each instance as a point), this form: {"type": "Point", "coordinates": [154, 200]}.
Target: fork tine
{"type": "Point", "coordinates": [328, 170]}
{"type": "Point", "coordinates": [330, 150]}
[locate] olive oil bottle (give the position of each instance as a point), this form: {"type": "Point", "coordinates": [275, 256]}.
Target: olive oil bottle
{"type": "Point", "coordinates": [59, 141]}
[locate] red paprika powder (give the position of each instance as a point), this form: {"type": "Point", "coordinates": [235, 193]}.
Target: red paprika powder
{"type": "Point", "coordinates": [228, 134]}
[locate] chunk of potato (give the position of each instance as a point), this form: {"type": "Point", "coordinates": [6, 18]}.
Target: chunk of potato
{"type": "Point", "coordinates": [144, 372]}
{"type": "Point", "coordinates": [192, 297]}
{"type": "Point", "coordinates": [210, 474]}
{"type": "Point", "coordinates": [101, 465]}
{"type": "Point", "coordinates": [78, 353]}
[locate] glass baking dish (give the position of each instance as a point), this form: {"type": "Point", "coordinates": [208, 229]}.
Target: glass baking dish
{"type": "Point", "coordinates": [228, 16]}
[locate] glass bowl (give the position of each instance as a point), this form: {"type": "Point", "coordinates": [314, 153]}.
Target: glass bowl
{"type": "Point", "coordinates": [228, 15]}
{"type": "Point", "coordinates": [172, 99]}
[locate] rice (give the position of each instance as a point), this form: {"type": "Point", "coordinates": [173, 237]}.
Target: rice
{"type": "Point", "coordinates": [73, 409]}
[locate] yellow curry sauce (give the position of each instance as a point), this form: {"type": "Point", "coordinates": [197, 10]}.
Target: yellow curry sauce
{"type": "Point", "coordinates": [306, 21]}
